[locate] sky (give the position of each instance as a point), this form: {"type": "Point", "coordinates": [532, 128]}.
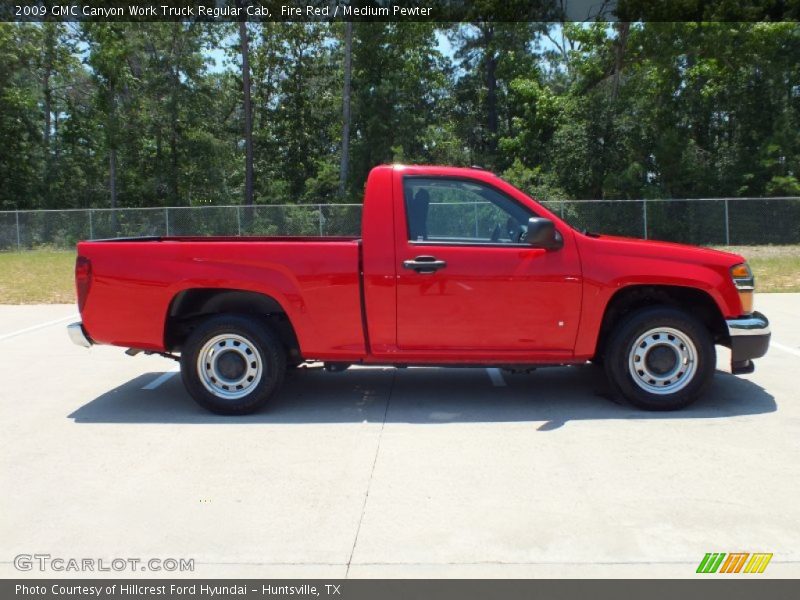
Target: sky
{"type": "Point", "coordinates": [219, 61]}
{"type": "Point", "coordinates": [217, 57]}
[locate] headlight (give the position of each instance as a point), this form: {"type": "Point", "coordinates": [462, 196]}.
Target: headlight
{"type": "Point", "coordinates": [745, 282]}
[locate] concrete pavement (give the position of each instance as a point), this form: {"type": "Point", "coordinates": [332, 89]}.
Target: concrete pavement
{"type": "Point", "coordinates": [379, 472]}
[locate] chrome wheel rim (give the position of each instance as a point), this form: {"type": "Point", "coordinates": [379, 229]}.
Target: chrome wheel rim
{"type": "Point", "coordinates": [229, 366]}
{"type": "Point", "coordinates": [662, 361]}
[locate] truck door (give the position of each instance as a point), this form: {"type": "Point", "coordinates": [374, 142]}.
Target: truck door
{"type": "Point", "coordinates": [468, 281]}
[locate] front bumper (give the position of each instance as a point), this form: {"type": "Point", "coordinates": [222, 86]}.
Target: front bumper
{"type": "Point", "coordinates": [78, 335]}
{"type": "Point", "coordinates": [749, 339]}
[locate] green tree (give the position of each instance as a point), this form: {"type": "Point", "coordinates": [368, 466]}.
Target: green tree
{"type": "Point", "coordinates": [21, 160]}
{"type": "Point", "coordinates": [401, 98]}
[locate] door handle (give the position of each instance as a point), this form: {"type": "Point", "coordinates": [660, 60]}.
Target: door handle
{"type": "Point", "coordinates": [424, 265]}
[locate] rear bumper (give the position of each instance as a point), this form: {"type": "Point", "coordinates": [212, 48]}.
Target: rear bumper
{"type": "Point", "coordinates": [78, 335]}
{"type": "Point", "coordinates": [749, 339]}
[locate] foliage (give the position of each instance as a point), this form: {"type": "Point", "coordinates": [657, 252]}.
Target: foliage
{"type": "Point", "coordinates": [138, 115]}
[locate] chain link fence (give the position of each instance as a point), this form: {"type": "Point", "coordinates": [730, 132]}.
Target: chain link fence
{"type": "Point", "coordinates": [701, 221]}
{"type": "Point", "coordinates": [705, 221]}
{"type": "Point", "coordinates": [20, 230]}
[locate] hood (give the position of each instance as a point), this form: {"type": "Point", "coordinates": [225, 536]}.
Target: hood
{"type": "Point", "coordinates": [622, 246]}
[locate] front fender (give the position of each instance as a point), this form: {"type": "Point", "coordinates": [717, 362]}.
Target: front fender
{"type": "Point", "coordinates": [613, 265]}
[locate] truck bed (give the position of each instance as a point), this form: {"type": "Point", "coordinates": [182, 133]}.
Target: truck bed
{"type": "Point", "coordinates": [315, 280]}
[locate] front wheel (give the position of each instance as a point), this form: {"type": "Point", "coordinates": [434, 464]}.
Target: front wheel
{"type": "Point", "coordinates": [232, 364]}
{"type": "Point", "coordinates": [660, 358]}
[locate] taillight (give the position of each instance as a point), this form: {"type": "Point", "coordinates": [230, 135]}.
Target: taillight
{"type": "Point", "coordinates": [83, 279]}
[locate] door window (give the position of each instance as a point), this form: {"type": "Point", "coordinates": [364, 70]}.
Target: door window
{"type": "Point", "coordinates": [457, 211]}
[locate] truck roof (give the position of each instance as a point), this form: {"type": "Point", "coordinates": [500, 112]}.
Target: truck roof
{"type": "Point", "coordinates": [471, 171]}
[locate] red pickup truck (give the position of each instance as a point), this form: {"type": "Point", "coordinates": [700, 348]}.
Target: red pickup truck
{"type": "Point", "coordinates": [454, 267]}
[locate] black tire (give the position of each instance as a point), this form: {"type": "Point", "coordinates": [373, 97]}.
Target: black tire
{"type": "Point", "coordinates": [643, 377]}
{"type": "Point", "coordinates": [256, 364]}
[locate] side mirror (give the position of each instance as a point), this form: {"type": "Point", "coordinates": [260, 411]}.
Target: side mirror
{"type": "Point", "coordinates": [542, 233]}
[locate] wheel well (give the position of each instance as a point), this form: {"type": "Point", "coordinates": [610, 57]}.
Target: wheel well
{"type": "Point", "coordinates": [696, 302]}
{"type": "Point", "coordinates": [189, 307]}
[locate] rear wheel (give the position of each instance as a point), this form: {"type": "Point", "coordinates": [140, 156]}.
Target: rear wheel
{"type": "Point", "coordinates": [660, 358]}
{"type": "Point", "coordinates": [232, 364]}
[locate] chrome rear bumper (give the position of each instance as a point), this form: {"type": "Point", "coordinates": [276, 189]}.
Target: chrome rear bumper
{"type": "Point", "coordinates": [78, 335]}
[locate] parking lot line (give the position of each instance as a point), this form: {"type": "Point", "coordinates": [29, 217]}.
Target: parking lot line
{"type": "Point", "coordinates": [36, 327]}
{"type": "Point", "coordinates": [160, 379]}
{"type": "Point", "coordinates": [496, 376]}
{"type": "Point", "coordinates": [786, 348]}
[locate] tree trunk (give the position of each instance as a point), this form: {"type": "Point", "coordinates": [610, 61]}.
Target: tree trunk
{"type": "Point", "coordinates": [159, 191]}
{"type": "Point", "coordinates": [491, 90]}
{"type": "Point", "coordinates": [174, 118]}
{"type": "Point", "coordinates": [173, 142]}
{"type": "Point", "coordinates": [48, 111]}
{"type": "Point", "coordinates": [112, 140]}
{"type": "Point", "coordinates": [248, 115]}
{"type": "Point", "coordinates": [491, 95]}
{"type": "Point", "coordinates": [623, 30]}
{"type": "Point", "coordinates": [348, 57]}
{"type": "Point", "coordinates": [49, 66]}
{"type": "Point", "coordinates": [112, 185]}
{"type": "Point", "coordinates": [56, 148]}
{"type": "Point", "coordinates": [173, 153]}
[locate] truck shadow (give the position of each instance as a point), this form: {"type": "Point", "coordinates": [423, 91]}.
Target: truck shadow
{"type": "Point", "coordinates": [548, 398]}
